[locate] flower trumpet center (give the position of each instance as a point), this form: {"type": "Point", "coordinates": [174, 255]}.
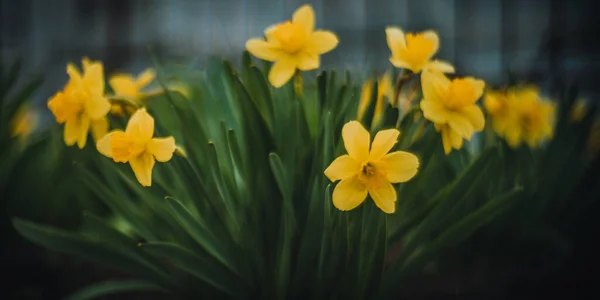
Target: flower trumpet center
{"type": "Point", "coordinates": [461, 93]}
{"type": "Point", "coordinates": [367, 169]}
{"type": "Point", "coordinates": [368, 174]}
{"type": "Point", "coordinates": [530, 121]}
{"type": "Point", "coordinates": [124, 148]}
{"type": "Point", "coordinates": [291, 36]}
{"type": "Point", "coordinates": [418, 49]}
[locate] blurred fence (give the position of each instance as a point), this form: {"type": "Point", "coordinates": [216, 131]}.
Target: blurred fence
{"type": "Point", "coordinates": [482, 37]}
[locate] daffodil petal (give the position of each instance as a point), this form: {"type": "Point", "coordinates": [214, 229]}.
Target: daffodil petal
{"type": "Point", "coordinates": [384, 196]}
{"type": "Point", "coordinates": [456, 140]}
{"type": "Point", "coordinates": [71, 133]}
{"type": "Point", "coordinates": [305, 16]}
{"type": "Point", "coordinates": [262, 49]}
{"type": "Point", "coordinates": [55, 104]}
{"type": "Point", "coordinates": [86, 62]}
{"type": "Point", "coordinates": [321, 41]}
{"type": "Point", "coordinates": [398, 63]}
{"type": "Point", "coordinates": [439, 66]}
{"type": "Point", "coordinates": [96, 106]}
{"type": "Point", "coordinates": [492, 102]}
{"type": "Point", "coordinates": [341, 168]}
{"type": "Point", "coordinates": [282, 71]}
{"type": "Point", "coordinates": [74, 74]}
{"type": "Point", "coordinates": [162, 148]}
{"type": "Point", "coordinates": [123, 85]}
{"type": "Point", "coordinates": [349, 193]}
{"type": "Point", "coordinates": [104, 144]}
{"type": "Point", "coordinates": [84, 128]}
{"type": "Point", "coordinates": [460, 124]}
{"type": "Point", "coordinates": [356, 141]}
{"type": "Point", "coordinates": [434, 111]}
{"type": "Point", "coordinates": [141, 125]}
{"type": "Point", "coordinates": [399, 166]}
{"type": "Point", "coordinates": [99, 128]}
{"type": "Point", "coordinates": [433, 36]}
{"type": "Point", "coordinates": [383, 142]}
{"type": "Point", "coordinates": [478, 85]}
{"type": "Point", "coordinates": [93, 78]}
{"type": "Point", "coordinates": [269, 33]}
{"type": "Point", "coordinates": [145, 78]}
{"type": "Point", "coordinates": [120, 146]}
{"type": "Point", "coordinates": [306, 61]}
{"type": "Point", "coordinates": [513, 136]}
{"type": "Point", "coordinates": [142, 168]}
{"type": "Point", "coordinates": [446, 141]}
{"type": "Point", "coordinates": [435, 85]}
{"type": "Point", "coordinates": [395, 39]}
{"type": "Point", "coordinates": [475, 116]}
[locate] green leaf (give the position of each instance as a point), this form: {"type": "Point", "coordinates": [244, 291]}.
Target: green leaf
{"type": "Point", "coordinates": [373, 246]}
{"type": "Point", "coordinates": [462, 229]}
{"type": "Point", "coordinates": [326, 237]}
{"type": "Point", "coordinates": [258, 89]}
{"type": "Point", "coordinates": [193, 225]}
{"type": "Point", "coordinates": [204, 269]}
{"type": "Point", "coordinates": [280, 175]}
{"type": "Point", "coordinates": [98, 230]}
{"type": "Point", "coordinates": [113, 287]}
{"type": "Point", "coordinates": [67, 242]}
{"type": "Point", "coordinates": [288, 227]}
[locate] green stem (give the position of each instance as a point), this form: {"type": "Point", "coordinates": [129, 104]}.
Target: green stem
{"type": "Point", "coordinates": [298, 83]}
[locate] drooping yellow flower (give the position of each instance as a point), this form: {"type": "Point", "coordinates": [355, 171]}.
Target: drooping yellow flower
{"type": "Point", "coordinates": [24, 121]}
{"type": "Point", "coordinates": [451, 106]}
{"type": "Point", "coordinates": [81, 105]}
{"type": "Point", "coordinates": [365, 171]}
{"type": "Point", "coordinates": [293, 45]}
{"type": "Point", "coordinates": [384, 91]}
{"type": "Point", "coordinates": [414, 51]}
{"type": "Point", "coordinates": [365, 98]}
{"type": "Point", "coordinates": [578, 110]}
{"type": "Point", "coordinates": [125, 85]}
{"type": "Point", "coordinates": [519, 115]}
{"type": "Point", "coordinates": [137, 146]}
{"type": "Point", "coordinates": [407, 96]}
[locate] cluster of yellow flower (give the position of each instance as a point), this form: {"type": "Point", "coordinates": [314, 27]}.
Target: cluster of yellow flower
{"type": "Point", "coordinates": [520, 115]}
{"type": "Point", "coordinates": [450, 104]}
{"type": "Point", "coordinates": [368, 168]}
{"type": "Point", "coordinates": [83, 105]}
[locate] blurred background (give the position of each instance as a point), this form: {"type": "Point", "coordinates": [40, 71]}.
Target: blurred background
{"type": "Point", "coordinates": [533, 39]}
{"type": "Point", "coordinates": [501, 41]}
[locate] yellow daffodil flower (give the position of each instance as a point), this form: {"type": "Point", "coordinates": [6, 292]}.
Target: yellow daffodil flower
{"type": "Point", "coordinates": [520, 115]}
{"type": "Point", "coordinates": [125, 85]}
{"type": "Point", "coordinates": [450, 105]}
{"type": "Point", "coordinates": [137, 146]}
{"type": "Point", "coordinates": [293, 45]}
{"type": "Point", "coordinates": [413, 51]}
{"type": "Point", "coordinates": [81, 105]}
{"type": "Point", "coordinates": [365, 171]}
{"type": "Point", "coordinates": [24, 122]}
